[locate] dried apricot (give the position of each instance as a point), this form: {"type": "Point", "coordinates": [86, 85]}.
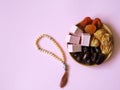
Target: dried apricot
{"type": "Point", "coordinates": [90, 28]}
{"type": "Point", "coordinates": [84, 22]}
{"type": "Point", "coordinates": [97, 22]}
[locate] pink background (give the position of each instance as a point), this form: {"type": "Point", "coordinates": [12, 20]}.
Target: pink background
{"type": "Point", "coordinates": [23, 67]}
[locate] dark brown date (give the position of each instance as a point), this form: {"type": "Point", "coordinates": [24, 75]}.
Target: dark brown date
{"type": "Point", "coordinates": [89, 56]}
{"type": "Point", "coordinates": [100, 59]}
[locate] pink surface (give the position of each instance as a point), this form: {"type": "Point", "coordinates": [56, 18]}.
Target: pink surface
{"type": "Point", "coordinates": [23, 67]}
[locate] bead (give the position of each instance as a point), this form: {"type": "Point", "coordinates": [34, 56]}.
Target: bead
{"type": "Point", "coordinates": [63, 59]}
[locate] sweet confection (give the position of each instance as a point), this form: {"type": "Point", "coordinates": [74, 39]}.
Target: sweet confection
{"type": "Point", "coordinates": [74, 48]}
{"type": "Point", "coordinates": [85, 39]}
{"type": "Point", "coordinates": [73, 39]}
{"type": "Point", "coordinates": [90, 42]}
{"type": "Point", "coordinates": [74, 30]}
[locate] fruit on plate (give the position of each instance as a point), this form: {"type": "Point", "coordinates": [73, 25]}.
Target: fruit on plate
{"type": "Point", "coordinates": [94, 43]}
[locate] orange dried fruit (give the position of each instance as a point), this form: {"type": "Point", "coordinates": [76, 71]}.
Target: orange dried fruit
{"type": "Point", "coordinates": [84, 22]}
{"type": "Point", "coordinates": [97, 22]}
{"type": "Point", "coordinates": [91, 28]}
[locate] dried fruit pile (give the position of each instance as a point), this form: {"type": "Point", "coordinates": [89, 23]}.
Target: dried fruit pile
{"type": "Point", "coordinates": [94, 42]}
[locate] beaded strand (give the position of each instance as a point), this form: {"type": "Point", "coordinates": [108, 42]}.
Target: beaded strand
{"type": "Point", "coordinates": [63, 59]}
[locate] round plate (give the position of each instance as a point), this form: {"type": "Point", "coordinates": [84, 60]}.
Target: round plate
{"type": "Point", "coordinates": [90, 47]}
